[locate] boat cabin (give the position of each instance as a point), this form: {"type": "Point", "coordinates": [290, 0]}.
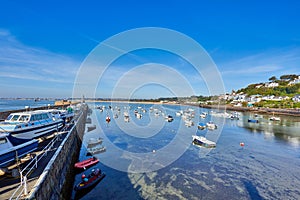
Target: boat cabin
{"type": "Point", "coordinates": [28, 117]}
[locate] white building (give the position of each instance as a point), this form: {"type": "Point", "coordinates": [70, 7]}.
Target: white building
{"type": "Point", "coordinates": [296, 81]}
{"type": "Point", "coordinates": [271, 84]}
{"type": "Point", "coordinates": [296, 98]}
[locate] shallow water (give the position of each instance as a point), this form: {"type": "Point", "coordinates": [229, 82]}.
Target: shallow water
{"type": "Point", "coordinates": [150, 158]}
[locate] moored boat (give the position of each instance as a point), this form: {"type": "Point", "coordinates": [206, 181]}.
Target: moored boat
{"type": "Point", "coordinates": [202, 141]}
{"type": "Point", "coordinates": [274, 118]}
{"type": "Point", "coordinates": [12, 148]}
{"type": "Point", "coordinates": [86, 163]}
{"type": "Point", "coordinates": [96, 150]}
{"type": "Point", "coordinates": [203, 115]}
{"type": "Point", "coordinates": [30, 125]}
{"type": "Point", "coordinates": [201, 126]}
{"type": "Point", "coordinates": [253, 120]}
{"type": "Point", "coordinates": [211, 125]}
{"type": "Point", "coordinates": [66, 115]}
{"type": "Point", "coordinates": [188, 123]}
{"type": "Point", "coordinates": [169, 118]}
{"type": "Point", "coordinates": [94, 141]}
{"type": "Point", "coordinates": [88, 181]}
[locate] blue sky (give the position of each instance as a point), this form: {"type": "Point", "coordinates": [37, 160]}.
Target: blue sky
{"type": "Point", "coordinates": [43, 43]}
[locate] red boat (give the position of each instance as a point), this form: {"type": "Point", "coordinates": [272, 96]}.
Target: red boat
{"type": "Point", "coordinates": [86, 163]}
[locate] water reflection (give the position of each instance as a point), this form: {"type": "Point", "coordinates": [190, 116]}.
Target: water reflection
{"type": "Point", "coordinates": [287, 129]}
{"type": "Point", "coordinates": [267, 167]}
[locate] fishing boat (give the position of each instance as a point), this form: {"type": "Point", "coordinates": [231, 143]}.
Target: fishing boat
{"type": "Point", "coordinates": [86, 163]}
{"type": "Point", "coordinates": [31, 124]}
{"type": "Point", "coordinates": [12, 148]}
{"type": "Point", "coordinates": [202, 141]}
{"type": "Point", "coordinates": [88, 181]}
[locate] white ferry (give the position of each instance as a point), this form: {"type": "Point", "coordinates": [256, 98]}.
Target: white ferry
{"type": "Point", "coordinates": [30, 125]}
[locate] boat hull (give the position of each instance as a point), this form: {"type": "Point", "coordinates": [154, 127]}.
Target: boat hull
{"type": "Point", "coordinates": [86, 163]}
{"type": "Point", "coordinates": [18, 151]}
{"type": "Point", "coordinates": [203, 142]}
{"type": "Point", "coordinates": [82, 186]}
{"type": "Point", "coordinates": [37, 131]}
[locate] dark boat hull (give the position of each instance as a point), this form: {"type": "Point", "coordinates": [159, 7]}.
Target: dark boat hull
{"type": "Point", "coordinates": [20, 149]}
{"type": "Point", "coordinates": [82, 186]}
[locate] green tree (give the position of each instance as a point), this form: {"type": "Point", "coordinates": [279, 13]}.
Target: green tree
{"type": "Point", "coordinates": [273, 78]}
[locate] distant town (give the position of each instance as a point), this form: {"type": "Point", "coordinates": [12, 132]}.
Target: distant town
{"type": "Point", "coordinates": [282, 92]}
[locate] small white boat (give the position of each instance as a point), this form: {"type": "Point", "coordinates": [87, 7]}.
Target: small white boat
{"type": "Point", "coordinates": [203, 115]}
{"type": "Point", "coordinates": [202, 141]}
{"type": "Point", "coordinates": [211, 125]}
{"type": "Point", "coordinates": [274, 118]}
{"type": "Point", "coordinates": [126, 118]}
{"type": "Point", "coordinates": [94, 141]}
{"type": "Point", "coordinates": [169, 118]}
{"type": "Point", "coordinates": [138, 115]}
{"type": "Point", "coordinates": [178, 113]}
{"type": "Point", "coordinates": [144, 110]}
{"type": "Point", "coordinates": [188, 123]}
{"type": "Point", "coordinates": [125, 114]}
{"type": "Point", "coordinates": [96, 150]}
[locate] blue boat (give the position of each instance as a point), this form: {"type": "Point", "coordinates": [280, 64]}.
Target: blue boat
{"type": "Point", "coordinates": [253, 120]}
{"type": "Point", "coordinates": [201, 126]}
{"type": "Point", "coordinates": [12, 148]}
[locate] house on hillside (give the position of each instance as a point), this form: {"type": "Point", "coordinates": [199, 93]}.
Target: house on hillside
{"type": "Point", "coordinates": [296, 81]}
{"type": "Point", "coordinates": [271, 84]}
{"type": "Point", "coordinates": [254, 98]}
{"type": "Point", "coordinates": [296, 98]}
{"type": "Point", "coordinates": [269, 97]}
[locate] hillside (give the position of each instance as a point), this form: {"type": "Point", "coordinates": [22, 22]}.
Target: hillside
{"type": "Point", "coordinates": [287, 85]}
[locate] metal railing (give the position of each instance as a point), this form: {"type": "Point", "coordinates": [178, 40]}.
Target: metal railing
{"type": "Point", "coordinates": [22, 189]}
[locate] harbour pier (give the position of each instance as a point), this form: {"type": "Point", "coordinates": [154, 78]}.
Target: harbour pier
{"type": "Point", "coordinates": [47, 173]}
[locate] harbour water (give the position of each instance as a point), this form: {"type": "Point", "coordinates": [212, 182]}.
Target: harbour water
{"type": "Point", "coordinates": [20, 104]}
{"type": "Point", "coordinates": [266, 167]}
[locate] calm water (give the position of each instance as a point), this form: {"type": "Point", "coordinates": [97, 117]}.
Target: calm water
{"type": "Point", "coordinates": [267, 167]}
{"type": "Point", "coordinates": [20, 104]}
